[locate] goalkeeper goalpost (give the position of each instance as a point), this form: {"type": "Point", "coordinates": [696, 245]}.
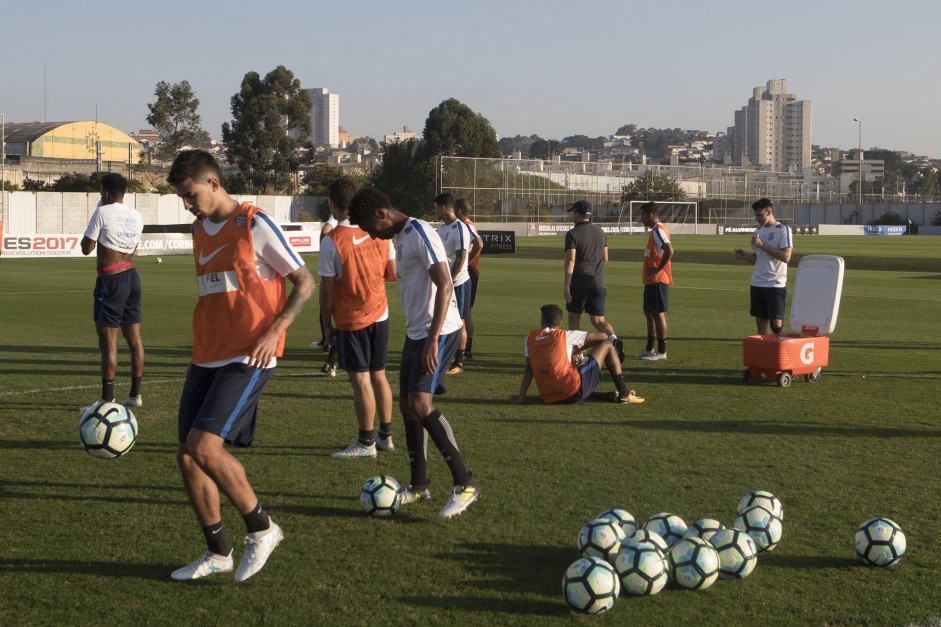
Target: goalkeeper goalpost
{"type": "Point", "coordinates": [673, 212]}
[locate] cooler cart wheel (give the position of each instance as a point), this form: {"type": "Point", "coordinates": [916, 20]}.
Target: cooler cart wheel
{"type": "Point", "coordinates": [746, 376]}
{"type": "Point", "coordinates": [813, 377]}
{"type": "Point", "coordinates": [784, 380]}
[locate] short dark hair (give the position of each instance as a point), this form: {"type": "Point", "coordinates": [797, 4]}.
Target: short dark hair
{"type": "Point", "coordinates": [366, 201]}
{"type": "Point", "coordinates": [551, 315]}
{"type": "Point", "coordinates": [114, 184]}
{"type": "Point", "coordinates": [649, 208]}
{"type": "Point", "coordinates": [761, 204]}
{"type": "Point", "coordinates": [341, 192]}
{"type": "Point", "coordinates": [446, 199]}
{"type": "Point", "coordinates": [193, 164]}
{"type": "Point", "coordinates": [462, 207]}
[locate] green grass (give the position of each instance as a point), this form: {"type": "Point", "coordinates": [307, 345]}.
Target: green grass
{"type": "Point", "coordinates": [89, 541]}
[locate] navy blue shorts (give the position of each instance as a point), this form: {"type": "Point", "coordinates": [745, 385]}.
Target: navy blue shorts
{"type": "Point", "coordinates": [364, 350]}
{"type": "Point", "coordinates": [118, 299]}
{"type": "Point", "coordinates": [588, 300]}
{"type": "Point", "coordinates": [462, 296]}
{"type": "Point", "coordinates": [590, 373]}
{"type": "Point", "coordinates": [412, 375]}
{"type": "Point", "coordinates": [474, 279]}
{"type": "Point", "coordinates": [768, 302]}
{"type": "Point", "coordinates": [222, 401]}
{"type": "Point", "coordinates": [657, 297]}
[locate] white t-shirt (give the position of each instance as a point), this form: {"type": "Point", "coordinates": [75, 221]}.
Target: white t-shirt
{"type": "Point", "coordinates": [456, 237]}
{"type": "Point", "coordinates": [417, 248]}
{"type": "Point", "coordinates": [329, 263]}
{"type": "Point", "coordinates": [771, 272]}
{"type": "Point", "coordinates": [572, 339]}
{"type": "Point", "coordinates": [116, 227]}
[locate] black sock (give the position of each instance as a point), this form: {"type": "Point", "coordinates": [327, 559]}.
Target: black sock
{"type": "Point", "coordinates": [385, 429]}
{"type": "Point", "coordinates": [459, 357]}
{"type": "Point", "coordinates": [366, 437]}
{"type": "Point", "coordinates": [662, 346]}
{"type": "Point", "coordinates": [619, 383]}
{"type": "Point", "coordinates": [332, 356]}
{"type": "Point", "coordinates": [216, 540]}
{"type": "Point", "coordinates": [650, 341]}
{"type": "Point", "coordinates": [135, 386]}
{"type": "Point", "coordinates": [417, 457]}
{"type": "Point", "coordinates": [470, 346]}
{"type": "Point", "coordinates": [439, 429]}
{"type": "Point", "coordinates": [257, 519]}
{"type": "Point", "coordinates": [107, 390]}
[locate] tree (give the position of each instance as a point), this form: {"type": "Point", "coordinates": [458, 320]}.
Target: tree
{"type": "Point", "coordinates": [508, 145]}
{"type": "Point", "coordinates": [406, 177]}
{"type": "Point", "coordinates": [175, 119]}
{"type": "Point", "coordinates": [89, 183]}
{"type": "Point", "coordinates": [627, 129]}
{"type": "Point", "coordinates": [7, 186]}
{"type": "Point", "coordinates": [270, 120]}
{"type": "Point", "coordinates": [653, 186]}
{"type": "Point", "coordinates": [453, 129]}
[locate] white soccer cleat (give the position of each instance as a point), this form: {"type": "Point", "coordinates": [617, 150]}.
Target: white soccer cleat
{"type": "Point", "coordinates": [644, 354]}
{"type": "Point", "coordinates": [461, 498]}
{"type": "Point", "coordinates": [385, 444]}
{"type": "Point", "coordinates": [655, 356]}
{"type": "Point", "coordinates": [356, 449]}
{"type": "Point", "coordinates": [208, 564]}
{"type": "Point", "coordinates": [133, 401]}
{"type": "Point", "coordinates": [258, 548]}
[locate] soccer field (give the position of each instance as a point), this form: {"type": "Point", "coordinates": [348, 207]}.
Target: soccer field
{"type": "Point", "coordinates": [88, 541]}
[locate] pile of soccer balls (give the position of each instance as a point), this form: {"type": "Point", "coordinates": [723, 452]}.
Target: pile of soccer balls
{"type": "Point", "coordinates": [621, 554]}
{"type": "Point", "coordinates": [107, 430]}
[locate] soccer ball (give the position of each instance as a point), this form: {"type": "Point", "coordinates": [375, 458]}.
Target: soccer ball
{"type": "Point", "coordinates": [762, 525]}
{"type": "Point", "coordinates": [694, 562]}
{"type": "Point", "coordinates": [738, 554]}
{"type": "Point", "coordinates": [381, 496]}
{"type": "Point", "coordinates": [621, 517]}
{"type": "Point", "coordinates": [590, 585]}
{"type": "Point", "coordinates": [107, 430]}
{"type": "Point", "coordinates": [643, 568]}
{"type": "Point", "coordinates": [765, 499]}
{"type": "Point", "coordinates": [602, 538]}
{"type": "Point", "coordinates": [668, 526]}
{"type": "Point", "coordinates": [642, 535]}
{"type": "Point", "coordinates": [158, 260]}
{"type": "Point", "coordinates": [703, 528]}
{"type": "Point", "coordinates": [880, 542]}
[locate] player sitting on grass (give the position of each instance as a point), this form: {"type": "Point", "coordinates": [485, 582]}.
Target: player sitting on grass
{"type": "Point", "coordinates": [548, 353]}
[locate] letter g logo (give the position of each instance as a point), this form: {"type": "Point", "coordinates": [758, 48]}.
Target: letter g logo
{"type": "Point", "coordinates": [807, 353]}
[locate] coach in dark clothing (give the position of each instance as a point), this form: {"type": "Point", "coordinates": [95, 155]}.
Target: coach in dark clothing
{"type": "Point", "coordinates": [586, 253]}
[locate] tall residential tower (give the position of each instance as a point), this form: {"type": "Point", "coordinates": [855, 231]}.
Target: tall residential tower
{"type": "Point", "coordinates": [324, 117]}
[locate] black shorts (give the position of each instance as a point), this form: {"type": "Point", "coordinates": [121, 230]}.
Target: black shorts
{"type": "Point", "coordinates": [474, 279]}
{"type": "Point", "coordinates": [657, 297]}
{"type": "Point", "coordinates": [412, 375]}
{"type": "Point", "coordinates": [588, 300]}
{"type": "Point", "coordinates": [364, 350]}
{"type": "Point", "coordinates": [222, 401]}
{"type": "Point", "coordinates": [768, 302]}
{"type": "Point", "coordinates": [462, 296]}
{"type": "Point", "coordinates": [118, 299]}
{"type": "Point", "coordinates": [590, 372]}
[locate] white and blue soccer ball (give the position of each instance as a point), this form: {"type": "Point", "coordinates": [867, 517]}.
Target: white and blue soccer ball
{"type": "Point", "coordinates": [763, 498]}
{"type": "Point", "coordinates": [738, 554]}
{"type": "Point", "coordinates": [643, 568]}
{"type": "Point", "coordinates": [591, 585]}
{"type": "Point", "coordinates": [762, 525]}
{"type": "Point", "coordinates": [668, 526]}
{"type": "Point", "coordinates": [158, 260]}
{"type": "Point", "coordinates": [703, 528]}
{"type": "Point", "coordinates": [107, 430]}
{"type": "Point", "coordinates": [880, 542]}
{"type": "Point", "coordinates": [624, 518]}
{"type": "Point", "coordinates": [381, 496]}
{"type": "Point", "coordinates": [601, 538]}
{"type": "Point", "coordinates": [694, 563]}
{"type": "Point", "coordinates": [642, 535]}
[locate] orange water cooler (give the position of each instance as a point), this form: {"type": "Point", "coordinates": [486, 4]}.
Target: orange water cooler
{"type": "Point", "coordinates": [814, 310]}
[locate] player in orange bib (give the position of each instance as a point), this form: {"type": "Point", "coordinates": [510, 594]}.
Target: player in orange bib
{"type": "Point", "coordinates": [657, 278]}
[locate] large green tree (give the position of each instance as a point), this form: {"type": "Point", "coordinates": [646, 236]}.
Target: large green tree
{"type": "Point", "coordinates": [270, 120]}
{"type": "Point", "coordinates": [406, 177]}
{"type": "Point", "coordinates": [174, 116]}
{"type": "Point", "coordinates": [653, 186]}
{"type": "Point", "coordinates": [454, 129]}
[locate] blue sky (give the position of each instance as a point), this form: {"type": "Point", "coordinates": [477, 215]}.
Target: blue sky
{"type": "Point", "coordinates": [549, 67]}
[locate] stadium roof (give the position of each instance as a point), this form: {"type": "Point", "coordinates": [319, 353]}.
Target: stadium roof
{"type": "Point", "coordinates": [24, 132]}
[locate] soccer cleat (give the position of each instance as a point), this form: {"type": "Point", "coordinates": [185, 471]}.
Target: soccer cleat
{"type": "Point", "coordinates": [644, 353]}
{"type": "Point", "coordinates": [209, 563]}
{"type": "Point", "coordinates": [329, 369]}
{"type": "Point", "coordinates": [258, 548]}
{"type": "Point", "coordinates": [655, 356]}
{"type": "Point", "coordinates": [631, 398]}
{"type": "Point", "coordinates": [133, 401]}
{"type": "Point", "coordinates": [455, 368]}
{"type": "Point", "coordinates": [410, 495]}
{"type": "Point", "coordinates": [461, 498]}
{"type": "Point", "coordinates": [356, 449]}
{"type": "Point", "coordinates": [385, 444]}
{"type": "Point", "coordinates": [468, 355]}
{"type": "Point", "coordinates": [93, 405]}
{"type": "Point", "coordinates": [619, 347]}
{"type": "Point", "coordinates": [320, 346]}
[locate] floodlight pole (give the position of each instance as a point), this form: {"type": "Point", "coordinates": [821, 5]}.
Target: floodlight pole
{"type": "Point", "coordinates": [3, 163]}
{"type": "Point", "coordinates": [859, 163]}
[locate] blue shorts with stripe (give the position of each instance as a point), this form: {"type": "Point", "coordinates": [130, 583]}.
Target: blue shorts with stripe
{"type": "Point", "coordinates": [222, 401]}
{"type": "Point", "coordinates": [364, 350]}
{"type": "Point", "coordinates": [118, 299]}
{"type": "Point", "coordinates": [462, 294]}
{"type": "Point", "coordinates": [412, 375]}
{"type": "Point", "coordinates": [590, 373]}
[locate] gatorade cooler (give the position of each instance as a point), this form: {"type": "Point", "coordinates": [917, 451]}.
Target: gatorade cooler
{"type": "Point", "coordinates": [814, 310]}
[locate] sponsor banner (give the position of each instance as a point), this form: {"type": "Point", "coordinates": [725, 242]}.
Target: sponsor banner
{"type": "Point", "coordinates": [498, 242]}
{"type": "Point", "coordinates": [884, 229]}
{"type": "Point", "coordinates": [152, 244]}
{"type": "Point", "coordinates": [610, 229]}
{"type": "Point", "coordinates": [42, 245]}
{"type": "Point", "coordinates": [737, 229]}
{"type": "Point", "coordinates": [306, 243]}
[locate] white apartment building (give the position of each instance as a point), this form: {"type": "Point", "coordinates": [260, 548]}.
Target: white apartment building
{"type": "Point", "coordinates": [324, 117]}
{"type": "Point", "coordinates": [772, 131]}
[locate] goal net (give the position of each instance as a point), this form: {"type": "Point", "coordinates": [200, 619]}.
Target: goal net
{"type": "Point", "coordinates": [672, 212]}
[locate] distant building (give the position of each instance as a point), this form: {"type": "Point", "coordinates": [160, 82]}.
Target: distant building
{"type": "Point", "coordinates": [847, 170]}
{"type": "Point", "coordinates": [772, 131]}
{"type": "Point", "coordinates": [71, 140]}
{"type": "Point", "coordinates": [403, 136]}
{"type": "Point", "coordinates": [324, 117]}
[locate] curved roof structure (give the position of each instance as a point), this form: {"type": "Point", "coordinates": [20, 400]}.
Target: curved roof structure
{"type": "Point", "coordinates": [71, 140]}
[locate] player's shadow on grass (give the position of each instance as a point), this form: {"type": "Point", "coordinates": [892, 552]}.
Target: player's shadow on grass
{"type": "Point", "coordinates": [803, 562]}
{"type": "Point", "coordinates": [117, 569]}
{"type": "Point", "coordinates": [779, 427]}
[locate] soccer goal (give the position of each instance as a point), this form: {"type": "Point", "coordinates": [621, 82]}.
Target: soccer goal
{"type": "Point", "coordinates": [672, 212]}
